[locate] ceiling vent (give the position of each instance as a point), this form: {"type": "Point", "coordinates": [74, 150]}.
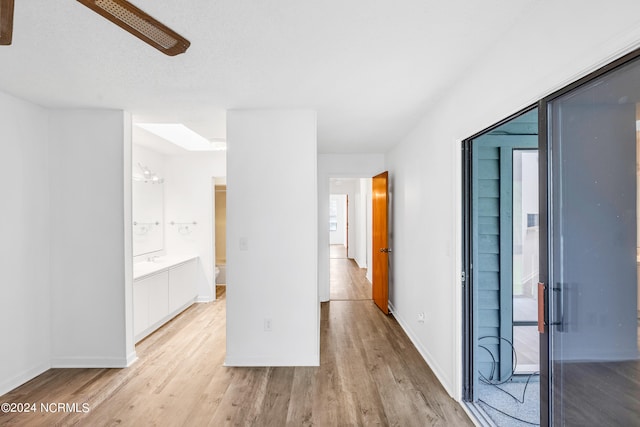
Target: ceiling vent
{"type": "Point", "coordinates": [140, 24]}
{"type": "Point", "coordinates": [6, 21]}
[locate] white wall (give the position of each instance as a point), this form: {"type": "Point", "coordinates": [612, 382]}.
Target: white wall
{"type": "Point", "coordinates": [272, 246]}
{"type": "Point", "coordinates": [189, 196]}
{"type": "Point", "coordinates": [24, 246]}
{"type": "Point", "coordinates": [90, 260]}
{"type": "Point", "coordinates": [425, 166]}
{"type": "Point", "coordinates": [339, 235]}
{"type": "Point", "coordinates": [337, 166]}
{"type": "Point", "coordinates": [348, 187]}
{"type": "Point", "coordinates": [363, 208]}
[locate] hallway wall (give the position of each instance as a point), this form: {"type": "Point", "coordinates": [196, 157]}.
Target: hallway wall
{"type": "Point", "coordinates": [272, 248]}
{"type": "Point", "coordinates": [91, 258]}
{"type": "Point", "coordinates": [24, 247]}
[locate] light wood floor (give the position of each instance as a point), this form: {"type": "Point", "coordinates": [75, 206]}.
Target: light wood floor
{"type": "Point", "coordinates": [337, 251]}
{"type": "Point", "coordinates": [347, 281]}
{"type": "Point", "coordinates": [370, 374]}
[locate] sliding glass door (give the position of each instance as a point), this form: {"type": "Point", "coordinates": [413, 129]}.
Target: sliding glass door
{"type": "Point", "coordinates": [590, 251]}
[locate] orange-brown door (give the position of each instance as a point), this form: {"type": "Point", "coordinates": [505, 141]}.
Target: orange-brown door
{"type": "Point", "coordinates": [380, 241]}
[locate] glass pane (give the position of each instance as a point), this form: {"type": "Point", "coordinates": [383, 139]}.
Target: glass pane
{"type": "Point", "coordinates": [526, 344]}
{"type": "Point", "coordinates": [525, 235]}
{"type": "Point", "coordinates": [595, 371]}
{"type": "Point", "coordinates": [506, 386]}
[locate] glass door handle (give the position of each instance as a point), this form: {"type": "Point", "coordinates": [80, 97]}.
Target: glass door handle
{"type": "Point", "coordinates": [541, 289]}
{"type": "Point", "coordinates": [558, 297]}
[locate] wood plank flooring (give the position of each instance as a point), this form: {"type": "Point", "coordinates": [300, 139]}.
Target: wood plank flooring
{"type": "Point", "coordinates": [347, 281]}
{"type": "Point", "coordinates": [337, 251]}
{"type": "Point", "coordinates": [370, 374]}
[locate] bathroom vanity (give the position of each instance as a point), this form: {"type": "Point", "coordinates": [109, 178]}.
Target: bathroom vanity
{"type": "Point", "coordinates": [162, 288]}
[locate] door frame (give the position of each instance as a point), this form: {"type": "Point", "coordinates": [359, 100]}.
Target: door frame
{"type": "Point", "coordinates": [467, 246]}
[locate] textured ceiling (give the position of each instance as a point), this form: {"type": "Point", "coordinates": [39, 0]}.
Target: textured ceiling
{"type": "Point", "coordinates": [370, 68]}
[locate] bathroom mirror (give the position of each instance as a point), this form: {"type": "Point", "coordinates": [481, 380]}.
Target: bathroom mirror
{"type": "Point", "coordinates": [148, 217]}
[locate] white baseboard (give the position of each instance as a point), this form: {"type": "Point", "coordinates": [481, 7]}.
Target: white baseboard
{"type": "Point", "coordinates": [268, 361]}
{"type": "Point", "coordinates": [17, 380]}
{"type": "Point", "coordinates": [132, 358]}
{"type": "Point", "coordinates": [423, 352]}
{"type": "Point", "coordinates": [90, 362]}
{"type": "Point", "coordinates": [204, 299]}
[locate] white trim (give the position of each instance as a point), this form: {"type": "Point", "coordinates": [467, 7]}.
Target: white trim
{"type": "Point", "coordinates": [457, 273]}
{"type": "Point", "coordinates": [204, 299]}
{"type": "Point", "coordinates": [157, 325]}
{"type": "Point", "coordinates": [132, 358]}
{"type": "Point", "coordinates": [90, 362]}
{"type": "Point", "coordinates": [23, 377]}
{"type": "Point", "coordinates": [266, 361]}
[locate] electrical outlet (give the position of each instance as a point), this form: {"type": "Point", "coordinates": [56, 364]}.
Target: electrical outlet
{"type": "Point", "coordinates": [421, 317]}
{"type": "Point", "coordinates": [267, 324]}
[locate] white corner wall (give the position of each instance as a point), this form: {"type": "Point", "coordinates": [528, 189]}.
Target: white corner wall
{"type": "Point", "coordinates": [90, 260]}
{"type": "Point", "coordinates": [189, 197]}
{"type": "Point", "coordinates": [272, 249]}
{"type": "Point", "coordinates": [337, 166]}
{"type": "Point", "coordinates": [425, 166]}
{"type": "Point", "coordinates": [24, 245]}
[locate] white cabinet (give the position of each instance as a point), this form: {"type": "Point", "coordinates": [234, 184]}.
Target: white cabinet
{"type": "Point", "coordinates": [160, 294]}
{"type": "Point", "coordinates": [158, 299]}
{"type": "Point", "coordinates": [140, 307]}
{"type": "Point", "coordinates": [150, 302]}
{"type": "Point", "coordinates": [182, 285]}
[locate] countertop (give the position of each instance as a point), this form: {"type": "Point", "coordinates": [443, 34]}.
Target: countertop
{"type": "Point", "coordinates": [146, 268]}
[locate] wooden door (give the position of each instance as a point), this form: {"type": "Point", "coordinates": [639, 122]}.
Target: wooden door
{"type": "Point", "coordinates": [380, 241]}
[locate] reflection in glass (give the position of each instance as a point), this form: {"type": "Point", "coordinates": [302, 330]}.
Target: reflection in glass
{"type": "Point", "coordinates": [595, 370]}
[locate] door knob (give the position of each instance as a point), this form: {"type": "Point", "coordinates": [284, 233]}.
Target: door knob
{"type": "Point", "coordinates": [385, 250]}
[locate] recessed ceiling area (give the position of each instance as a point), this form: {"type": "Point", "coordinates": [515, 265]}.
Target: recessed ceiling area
{"type": "Point", "coordinates": [370, 69]}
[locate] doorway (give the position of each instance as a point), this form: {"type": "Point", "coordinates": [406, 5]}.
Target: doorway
{"type": "Point", "coordinates": [350, 238]}
{"type": "Point", "coordinates": [220, 231]}
{"type": "Point", "coordinates": [501, 205]}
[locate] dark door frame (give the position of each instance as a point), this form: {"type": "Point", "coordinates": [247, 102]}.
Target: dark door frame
{"type": "Point", "coordinates": [467, 245]}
